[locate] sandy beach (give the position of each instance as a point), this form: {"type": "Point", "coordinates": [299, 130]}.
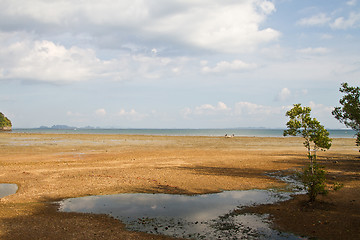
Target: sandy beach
{"type": "Point", "coordinates": [51, 167]}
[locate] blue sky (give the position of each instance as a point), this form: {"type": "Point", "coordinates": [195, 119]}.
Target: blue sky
{"type": "Point", "coordinates": [175, 64]}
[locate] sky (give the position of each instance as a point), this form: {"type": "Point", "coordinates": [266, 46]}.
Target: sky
{"type": "Point", "coordinates": [175, 64]}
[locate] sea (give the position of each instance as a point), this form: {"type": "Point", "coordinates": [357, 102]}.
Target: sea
{"type": "Point", "coordinates": [246, 132]}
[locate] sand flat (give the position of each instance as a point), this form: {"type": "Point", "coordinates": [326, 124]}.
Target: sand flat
{"type": "Point", "coordinates": [49, 167]}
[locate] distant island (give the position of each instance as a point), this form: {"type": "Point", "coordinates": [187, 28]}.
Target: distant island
{"type": "Point", "coordinates": [5, 123]}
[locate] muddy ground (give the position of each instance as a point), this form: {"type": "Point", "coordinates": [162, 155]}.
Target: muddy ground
{"type": "Point", "coordinates": [50, 167]}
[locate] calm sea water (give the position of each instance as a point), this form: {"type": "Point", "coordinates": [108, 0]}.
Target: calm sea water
{"type": "Point", "coordinates": [334, 133]}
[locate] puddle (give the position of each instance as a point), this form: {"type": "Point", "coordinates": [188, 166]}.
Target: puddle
{"type": "Point", "coordinates": [208, 216]}
{"type": "Point", "coordinates": [7, 189]}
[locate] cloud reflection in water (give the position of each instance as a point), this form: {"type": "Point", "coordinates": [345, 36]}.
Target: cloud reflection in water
{"type": "Point", "coordinates": [200, 216]}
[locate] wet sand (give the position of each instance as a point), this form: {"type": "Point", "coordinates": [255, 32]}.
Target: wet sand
{"type": "Point", "coordinates": [50, 167]}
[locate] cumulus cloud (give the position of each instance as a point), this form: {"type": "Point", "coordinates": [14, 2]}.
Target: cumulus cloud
{"type": "Point", "coordinates": [68, 41]}
{"type": "Point", "coordinates": [322, 19]}
{"type": "Point", "coordinates": [131, 115]}
{"type": "Point", "coordinates": [226, 26]}
{"type": "Point", "coordinates": [320, 108]}
{"type": "Point", "coordinates": [206, 109]}
{"type": "Point", "coordinates": [241, 114]}
{"type": "Point", "coordinates": [268, 116]}
{"type": "Point", "coordinates": [248, 108]}
{"type": "Point", "coordinates": [210, 109]}
{"type": "Point", "coordinates": [45, 61]}
{"type": "Point", "coordinates": [241, 110]}
{"type": "Point", "coordinates": [223, 66]}
{"type": "Point", "coordinates": [353, 21]}
{"type": "Point", "coordinates": [323, 113]}
{"type": "Point", "coordinates": [283, 95]}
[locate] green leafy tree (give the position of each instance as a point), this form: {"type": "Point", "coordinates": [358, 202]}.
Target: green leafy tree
{"type": "Point", "coordinates": [349, 113]}
{"type": "Point", "coordinates": [301, 124]}
{"type": "Point", "coordinates": [316, 137]}
{"type": "Point", "coordinates": [4, 121]}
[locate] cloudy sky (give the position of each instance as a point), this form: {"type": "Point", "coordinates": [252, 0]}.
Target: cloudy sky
{"type": "Point", "coordinates": [175, 64]}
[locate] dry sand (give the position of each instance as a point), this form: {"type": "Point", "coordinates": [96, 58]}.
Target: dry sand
{"type": "Point", "coordinates": [50, 167]}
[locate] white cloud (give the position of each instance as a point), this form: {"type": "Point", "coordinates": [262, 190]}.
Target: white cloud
{"type": "Point", "coordinates": [186, 113]}
{"type": "Point", "coordinates": [323, 113]}
{"type": "Point", "coordinates": [351, 2]}
{"type": "Point", "coordinates": [320, 108]}
{"type": "Point", "coordinates": [316, 20]}
{"type": "Point", "coordinates": [266, 6]}
{"type": "Point", "coordinates": [226, 27]}
{"type": "Point", "coordinates": [70, 13]}
{"type": "Point", "coordinates": [45, 61]}
{"type": "Point", "coordinates": [254, 114]}
{"type": "Point", "coordinates": [222, 106]}
{"type": "Point", "coordinates": [206, 109]}
{"type": "Point", "coordinates": [222, 26]}
{"type": "Point", "coordinates": [210, 109]}
{"type": "Point", "coordinates": [248, 108]}
{"type": "Point", "coordinates": [100, 112]}
{"type": "Point", "coordinates": [223, 66]}
{"type": "Point", "coordinates": [131, 115]}
{"type": "Point", "coordinates": [283, 95]}
{"type": "Point", "coordinates": [353, 21]}
{"type": "Point", "coordinates": [242, 114]}
{"type": "Point", "coordinates": [240, 109]}
{"type": "Point", "coordinates": [157, 47]}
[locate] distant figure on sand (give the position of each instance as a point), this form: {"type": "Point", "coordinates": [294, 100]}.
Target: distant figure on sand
{"type": "Point", "coordinates": [228, 136]}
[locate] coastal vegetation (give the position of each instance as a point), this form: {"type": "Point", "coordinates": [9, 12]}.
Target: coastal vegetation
{"type": "Point", "coordinates": [316, 137]}
{"type": "Point", "coordinates": [5, 123]}
{"type": "Point", "coordinates": [349, 113]}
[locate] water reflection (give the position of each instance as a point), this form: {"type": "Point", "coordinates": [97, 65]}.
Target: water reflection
{"type": "Point", "coordinates": [7, 189]}
{"type": "Point", "coordinates": [206, 216]}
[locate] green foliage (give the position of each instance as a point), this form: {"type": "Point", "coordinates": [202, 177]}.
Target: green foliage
{"type": "Point", "coordinates": [301, 123]}
{"type": "Point", "coordinates": [316, 137]}
{"type": "Point", "coordinates": [4, 121]}
{"type": "Point", "coordinates": [337, 186]}
{"type": "Point", "coordinates": [314, 180]}
{"type": "Point", "coordinates": [349, 113]}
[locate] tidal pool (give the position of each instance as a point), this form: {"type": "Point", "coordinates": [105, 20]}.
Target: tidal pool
{"type": "Point", "coordinates": [7, 189]}
{"type": "Point", "coordinates": [207, 216]}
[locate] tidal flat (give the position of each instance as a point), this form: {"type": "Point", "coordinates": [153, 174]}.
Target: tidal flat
{"type": "Point", "coordinates": [51, 167]}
